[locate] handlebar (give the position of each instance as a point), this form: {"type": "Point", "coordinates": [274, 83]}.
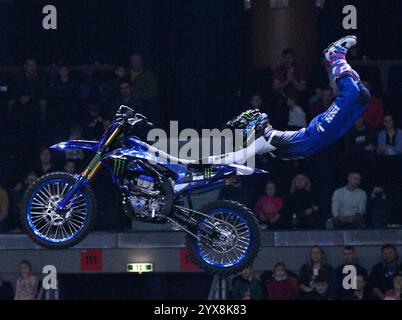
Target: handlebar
{"type": "Point", "coordinates": [132, 118]}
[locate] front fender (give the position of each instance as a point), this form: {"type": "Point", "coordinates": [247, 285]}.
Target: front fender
{"type": "Point", "coordinates": [77, 144]}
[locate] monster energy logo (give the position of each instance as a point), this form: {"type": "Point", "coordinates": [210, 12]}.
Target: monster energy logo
{"type": "Point", "coordinates": [118, 166]}
{"type": "Point", "coordinates": [208, 173]}
{"type": "Point", "coordinates": [247, 115]}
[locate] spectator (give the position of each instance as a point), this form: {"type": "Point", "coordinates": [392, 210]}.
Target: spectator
{"type": "Point", "coordinates": [396, 292]}
{"type": "Point", "coordinates": [238, 190]}
{"type": "Point", "coordinates": [33, 86]}
{"type": "Point", "coordinates": [282, 286]}
{"type": "Point", "coordinates": [360, 148]}
{"type": "Point", "coordinates": [76, 155]}
{"type": "Point", "coordinates": [349, 204]}
{"type": "Point", "coordinates": [326, 99]}
{"type": "Point", "coordinates": [246, 286]}
{"type": "Point", "coordinates": [69, 167]}
{"type": "Point", "coordinates": [93, 127]}
{"type": "Point", "coordinates": [46, 164]}
{"type": "Point", "coordinates": [349, 259]}
{"type": "Point", "coordinates": [110, 90]}
{"type": "Point", "coordinates": [301, 205]}
{"type": "Point", "coordinates": [379, 208]}
{"type": "Point", "coordinates": [256, 102]}
{"type": "Point", "coordinates": [63, 99]}
{"type": "Point", "coordinates": [127, 98]}
{"type": "Point", "coordinates": [18, 193]}
{"type": "Point", "coordinates": [289, 76]}
{"type": "Point", "coordinates": [389, 149]}
{"type": "Point", "coordinates": [374, 113]}
{"type": "Point", "coordinates": [27, 283]}
{"type": "Point", "coordinates": [314, 267]}
{"type": "Point", "coordinates": [389, 139]}
{"type": "Point", "coordinates": [362, 291]}
{"type": "Point", "coordinates": [382, 274]}
{"type": "Point", "coordinates": [145, 86]}
{"type": "Point", "coordinates": [320, 291]}
{"type": "Point", "coordinates": [268, 207]}
{"type": "Point", "coordinates": [6, 290]}
{"type": "Point", "coordinates": [4, 206]}
{"type": "Point", "coordinates": [297, 117]}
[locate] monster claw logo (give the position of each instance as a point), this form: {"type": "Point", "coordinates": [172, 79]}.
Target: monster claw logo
{"type": "Point", "coordinates": [208, 173]}
{"type": "Point", "coordinates": [118, 166]}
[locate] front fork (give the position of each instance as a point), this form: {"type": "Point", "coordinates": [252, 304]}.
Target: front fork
{"type": "Point", "coordinates": [90, 171]}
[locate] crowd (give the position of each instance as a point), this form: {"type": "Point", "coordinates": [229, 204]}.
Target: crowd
{"type": "Point", "coordinates": [317, 280]}
{"type": "Point", "coordinates": [354, 184]}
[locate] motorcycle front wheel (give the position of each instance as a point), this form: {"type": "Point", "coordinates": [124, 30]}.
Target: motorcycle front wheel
{"type": "Point", "coordinates": [227, 238]}
{"type": "Point", "coordinates": [49, 227]}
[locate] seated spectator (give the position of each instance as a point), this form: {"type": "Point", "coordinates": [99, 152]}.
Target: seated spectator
{"type": "Point", "coordinates": [33, 85]}
{"type": "Point", "coordinates": [110, 90]}
{"type": "Point", "coordinates": [396, 292]}
{"type": "Point", "coordinates": [46, 164]}
{"type": "Point", "coordinates": [13, 222]}
{"type": "Point", "coordinates": [316, 266]}
{"type": "Point", "coordinates": [362, 292]}
{"type": "Point", "coordinates": [379, 208]}
{"type": "Point", "coordinates": [360, 148]}
{"type": "Point", "coordinates": [301, 206]}
{"type": "Point", "coordinates": [282, 286]}
{"type": "Point", "coordinates": [349, 204]}
{"type": "Point", "coordinates": [320, 291]}
{"type": "Point", "coordinates": [268, 207]}
{"type": "Point", "coordinates": [326, 99]}
{"type": "Point", "coordinates": [389, 139]}
{"type": "Point", "coordinates": [27, 283]}
{"type": "Point", "coordinates": [76, 133]}
{"type": "Point", "coordinates": [4, 206]}
{"type": "Point", "coordinates": [238, 190]}
{"type": "Point", "coordinates": [93, 123]}
{"type": "Point", "coordinates": [297, 117]}
{"type": "Point", "coordinates": [63, 100]}
{"type": "Point", "coordinates": [289, 76]}
{"type": "Point", "coordinates": [382, 274]}
{"type": "Point", "coordinates": [6, 290]}
{"type": "Point", "coordinates": [349, 259]}
{"type": "Point", "coordinates": [145, 86]}
{"type": "Point", "coordinates": [246, 286]}
{"type": "Point", "coordinates": [69, 167]}
{"type": "Point", "coordinates": [374, 114]}
{"type": "Point", "coordinates": [256, 102]}
{"type": "Point", "coordinates": [127, 98]}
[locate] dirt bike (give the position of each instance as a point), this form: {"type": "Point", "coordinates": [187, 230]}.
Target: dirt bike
{"type": "Point", "coordinates": [59, 209]}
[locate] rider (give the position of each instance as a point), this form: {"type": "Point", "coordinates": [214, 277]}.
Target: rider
{"type": "Point", "coordinates": [323, 130]}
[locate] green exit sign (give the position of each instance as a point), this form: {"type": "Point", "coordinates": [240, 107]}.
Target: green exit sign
{"type": "Point", "coordinates": [140, 267]}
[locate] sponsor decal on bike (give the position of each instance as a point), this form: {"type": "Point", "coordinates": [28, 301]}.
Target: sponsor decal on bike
{"type": "Point", "coordinates": [118, 166]}
{"type": "Point", "coordinates": [208, 173]}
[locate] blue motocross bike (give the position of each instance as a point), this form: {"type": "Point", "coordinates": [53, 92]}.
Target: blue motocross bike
{"type": "Point", "coordinates": [59, 209]}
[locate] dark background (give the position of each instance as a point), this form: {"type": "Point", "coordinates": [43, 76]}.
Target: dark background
{"type": "Point", "coordinates": [199, 50]}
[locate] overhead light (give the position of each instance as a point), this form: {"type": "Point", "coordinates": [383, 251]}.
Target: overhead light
{"type": "Point", "coordinates": [140, 267]}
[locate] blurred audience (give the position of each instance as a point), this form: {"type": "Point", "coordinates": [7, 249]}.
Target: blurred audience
{"type": "Point", "coordinates": [246, 286]}
{"type": "Point", "coordinates": [282, 286]}
{"type": "Point", "coordinates": [349, 204]}
{"type": "Point", "coordinates": [269, 206]}
{"type": "Point", "coordinates": [315, 267]}
{"type": "Point", "coordinates": [382, 274]}
{"type": "Point", "coordinates": [301, 208]}
{"type": "Point", "coordinates": [27, 283]}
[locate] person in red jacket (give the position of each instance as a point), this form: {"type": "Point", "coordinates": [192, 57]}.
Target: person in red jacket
{"type": "Point", "coordinates": [269, 206]}
{"type": "Point", "coordinates": [374, 114]}
{"type": "Point", "coordinates": [282, 286]}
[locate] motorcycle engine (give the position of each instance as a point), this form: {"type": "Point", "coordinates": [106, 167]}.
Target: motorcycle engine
{"type": "Point", "coordinates": [145, 201]}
